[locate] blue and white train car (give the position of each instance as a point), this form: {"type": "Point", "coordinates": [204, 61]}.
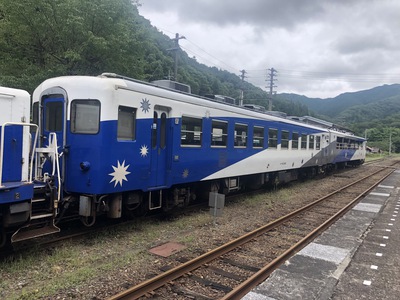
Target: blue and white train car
{"type": "Point", "coordinates": [124, 145]}
{"type": "Point", "coordinates": [16, 186]}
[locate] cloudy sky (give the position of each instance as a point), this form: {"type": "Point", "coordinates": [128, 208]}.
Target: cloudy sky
{"type": "Point", "coordinates": [319, 48]}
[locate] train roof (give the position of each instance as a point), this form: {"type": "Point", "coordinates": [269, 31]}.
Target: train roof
{"type": "Point", "coordinates": [11, 92]}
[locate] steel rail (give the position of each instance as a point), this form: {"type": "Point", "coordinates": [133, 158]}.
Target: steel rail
{"type": "Point", "coordinates": [146, 287]}
{"type": "Point", "coordinates": [246, 286]}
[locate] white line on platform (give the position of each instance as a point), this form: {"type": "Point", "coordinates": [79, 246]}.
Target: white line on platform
{"type": "Point", "coordinates": [324, 252]}
{"type": "Point", "coordinates": [386, 186]}
{"type": "Point", "coordinates": [380, 194]}
{"type": "Point", "coordinates": [368, 207]}
{"type": "Point", "coordinates": [367, 282]}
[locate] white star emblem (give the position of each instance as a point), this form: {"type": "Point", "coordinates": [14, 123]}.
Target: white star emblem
{"type": "Point", "coordinates": [145, 105]}
{"type": "Point", "coordinates": [144, 151]}
{"type": "Point", "coordinates": [119, 173]}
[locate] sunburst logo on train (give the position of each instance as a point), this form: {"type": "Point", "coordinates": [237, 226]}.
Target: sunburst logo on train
{"type": "Point", "coordinates": [145, 105]}
{"type": "Point", "coordinates": [119, 174]}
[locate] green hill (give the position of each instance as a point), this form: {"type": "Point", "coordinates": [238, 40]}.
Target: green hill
{"type": "Point", "coordinates": [332, 107]}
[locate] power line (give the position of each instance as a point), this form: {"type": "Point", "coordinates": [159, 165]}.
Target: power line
{"type": "Point", "coordinates": [221, 61]}
{"type": "Point", "coordinates": [295, 74]}
{"type": "Point", "coordinates": [335, 76]}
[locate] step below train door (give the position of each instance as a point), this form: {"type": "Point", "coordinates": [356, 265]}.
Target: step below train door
{"type": "Point", "coordinates": [159, 143]}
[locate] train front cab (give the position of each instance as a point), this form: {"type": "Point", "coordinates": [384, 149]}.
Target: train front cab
{"type": "Point", "coordinates": [104, 132]}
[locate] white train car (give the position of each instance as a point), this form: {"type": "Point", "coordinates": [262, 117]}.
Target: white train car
{"type": "Point", "coordinates": [16, 186]}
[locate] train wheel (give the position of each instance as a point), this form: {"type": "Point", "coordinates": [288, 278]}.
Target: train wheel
{"type": "Point", "coordinates": [137, 207]}
{"type": "Point", "coordinates": [88, 221]}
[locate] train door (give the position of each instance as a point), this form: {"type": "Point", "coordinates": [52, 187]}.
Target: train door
{"type": "Point", "coordinates": [159, 139]}
{"type": "Point", "coordinates": [52, 114]}
{"type": "Point", "coordinates": [325, 144]}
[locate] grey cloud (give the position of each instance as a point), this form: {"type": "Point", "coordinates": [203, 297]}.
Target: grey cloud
{"type": "Point", "coordinates": [336, 38]}
{"type": "Point", "coordinates": [356, 43]}
{"type": "Point", "coordinates": [274, 13]}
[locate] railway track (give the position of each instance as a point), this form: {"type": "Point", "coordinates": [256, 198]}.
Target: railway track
{"type": "Point", "coordinates": [79, 232]}
{"type": "Point", "coordinates": [231, 270]}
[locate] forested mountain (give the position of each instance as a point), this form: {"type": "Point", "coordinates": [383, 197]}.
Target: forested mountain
{"type": "Point", "coordinates": [374, 113]}
{"type": "Point", "coordinates": [332, 107]}
{"type": "Point", "coordinates": [40, 39]}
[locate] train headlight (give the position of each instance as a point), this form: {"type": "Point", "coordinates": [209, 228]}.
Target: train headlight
{"type": "Point", "coordinates": [85, 166]}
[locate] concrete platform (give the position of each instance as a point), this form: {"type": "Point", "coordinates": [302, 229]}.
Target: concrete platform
{"type": "Point", "coordinates": [356, 258]}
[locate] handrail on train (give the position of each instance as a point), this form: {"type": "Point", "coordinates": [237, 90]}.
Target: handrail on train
{"type": "Point", "coordinates": [2, 148]}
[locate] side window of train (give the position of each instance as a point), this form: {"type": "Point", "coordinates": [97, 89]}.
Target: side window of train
{"type": "Point", "coordinates": [54, 116]}
{"type": "Point", "coordinates": [295, 140]}
{"type": "Point", "coordinates": [318, 143]}
{"type": "Point", "coordinates": [240, 137]}
{"type": "Point", "coordinates": [219, 134]}
{"type": "Point", "coordinates": [85, 116]}
{"type": "Point", "coordinates": [126, 123]}
{"type": "Point", "coordinates": [339, 143]}
{"type": "Point", "coordinates": [258, 137]}
{"type": "Point", "coordinates": [311, 142]}
{"type": "Point", "coordinates": [285, 139]}
{"type": "Point", "coordinates": [191, 131]}
{"type": "Point", "coordinates": [272, 138]}
{"type": "Point", "coordinates": [304, 141]}
{"type": "Point", "coordinates": [345, 143]}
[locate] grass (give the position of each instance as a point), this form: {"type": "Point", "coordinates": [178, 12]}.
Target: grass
{"type": "Point", "coordinates": [69, 266]}
{"type": "Point", "coordinates": [376, 156]}
{"type": "Point", "coordinates": [37, 274]}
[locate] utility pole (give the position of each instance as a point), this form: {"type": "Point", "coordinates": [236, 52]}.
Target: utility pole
{"type": "Point", "coordinates": [242, 76]}
{"type": "Point", "coordinates": [271, 79]}
{"type": "Point", "coordinates": [175, 49]}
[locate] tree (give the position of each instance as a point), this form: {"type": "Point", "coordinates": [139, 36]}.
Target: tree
{"type": "Point", "coordinates": [45, 38]}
